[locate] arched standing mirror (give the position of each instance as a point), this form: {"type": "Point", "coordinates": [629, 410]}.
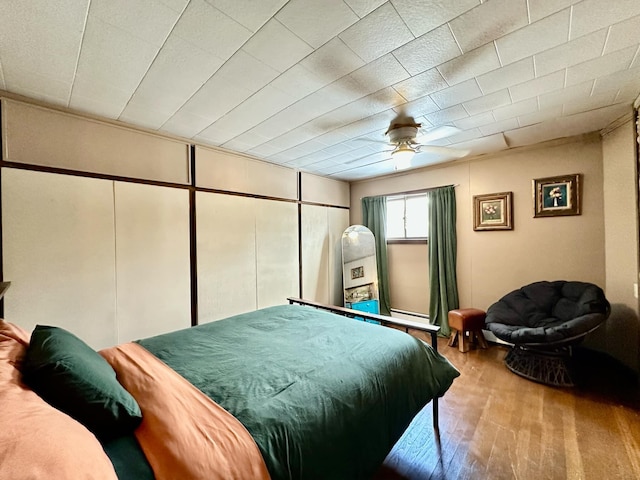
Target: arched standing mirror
{"type": "Point", "coordinates": [360, 269]}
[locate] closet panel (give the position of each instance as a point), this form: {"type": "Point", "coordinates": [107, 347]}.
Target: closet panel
{"type": "Point", "coordinates": [222, 170]}
{"type": "Point", "coordinates": [276, 251]}
{"type": "Point", "coordinates": [152, 260]}
{"type": "Point", "coordinates": [315, 254]}
{"type": "Point", "coordinates": [58, 253]}
{"type": "Point", "coordinates": [226, 244]}
{"type": "Point", "coordinates": [325, 190]}
{"type": "Point", "coordinates": [42, 136]}
{"type": "Point", "coordinates": [338, 222]}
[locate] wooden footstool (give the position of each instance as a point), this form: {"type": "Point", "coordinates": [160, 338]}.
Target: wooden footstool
{"type": "Point", "coordinates": [465, 320]}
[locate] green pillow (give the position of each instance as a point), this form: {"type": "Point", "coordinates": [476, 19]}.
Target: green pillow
{"type": "Point", "coordinates": [77, 380]}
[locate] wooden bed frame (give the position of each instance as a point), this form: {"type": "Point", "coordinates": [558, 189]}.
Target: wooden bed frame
{"type": "Point", "coordinates": [387, 321]}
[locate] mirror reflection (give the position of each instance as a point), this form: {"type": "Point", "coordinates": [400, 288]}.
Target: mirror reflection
{"type": "Point", "coordinates": [360, 270]}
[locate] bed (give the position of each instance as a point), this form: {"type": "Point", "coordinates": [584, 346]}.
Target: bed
{"type": "Point", "coordinates": [304, 393]}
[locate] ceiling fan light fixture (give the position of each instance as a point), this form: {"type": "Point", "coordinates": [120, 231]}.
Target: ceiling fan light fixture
{"type": "Point", "coordinates": [402, 157]}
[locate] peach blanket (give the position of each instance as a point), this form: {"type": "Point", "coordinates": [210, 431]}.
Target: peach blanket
{"type": "Point", "coordinates": [184, 434]}
{"type": "Point", "coordinates": [36, 440]}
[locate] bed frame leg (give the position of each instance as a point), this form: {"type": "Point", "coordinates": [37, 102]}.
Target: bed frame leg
{"type": "Point", "coordinates": [436, 426]}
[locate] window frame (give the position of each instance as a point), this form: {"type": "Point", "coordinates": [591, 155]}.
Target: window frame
{"type": "Point", "coordinates": [407, 240]}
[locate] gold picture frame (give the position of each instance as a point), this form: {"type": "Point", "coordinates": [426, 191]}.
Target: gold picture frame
{"type": "Point", "coordinates": [493, 211]}
{"type": "Point", "coordinates": [557, 196]}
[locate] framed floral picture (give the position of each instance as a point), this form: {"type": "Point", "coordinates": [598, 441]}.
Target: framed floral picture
{"type": "Point", "coordinates": [357, 272]}
{"type": "Point", "coordinates": [556, 196]}
{"type": "Point", "coordinates": [493, 211]}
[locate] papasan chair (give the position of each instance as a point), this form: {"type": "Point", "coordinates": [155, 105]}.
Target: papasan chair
{"type": "Point", "coordinates": [543, 321]}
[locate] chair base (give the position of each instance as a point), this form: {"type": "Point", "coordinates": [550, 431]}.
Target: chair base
{"type": "Point", "coordinates": [464, 342]}
{"type": "Point", "coordinates": [550, 367]}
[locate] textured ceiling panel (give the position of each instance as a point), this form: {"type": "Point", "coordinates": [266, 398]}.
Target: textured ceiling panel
{"type": "Point", "coordinates": [314, 85]}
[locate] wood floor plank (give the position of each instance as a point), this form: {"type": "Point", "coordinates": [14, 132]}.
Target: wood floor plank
{"type": "Point", "coordinates": [628, 424]}
{"type": "Point", "coordinates": [497, 425]}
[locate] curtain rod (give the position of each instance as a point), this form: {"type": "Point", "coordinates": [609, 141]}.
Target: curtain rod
{"type": "Point", "coordinates": [411, 192]}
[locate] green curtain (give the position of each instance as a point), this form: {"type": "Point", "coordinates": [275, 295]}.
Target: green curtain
{"type": "Point", "coordinates": [442, 256]}
{"type": "Point", "coordinates": [374, 217]}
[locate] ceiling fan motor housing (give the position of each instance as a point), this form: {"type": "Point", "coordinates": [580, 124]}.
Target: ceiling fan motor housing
{"type": "Point", "coordinates": [403, 133]}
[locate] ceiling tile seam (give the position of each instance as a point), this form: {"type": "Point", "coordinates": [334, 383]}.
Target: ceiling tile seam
{"type": "Point", "coordinates": [606, 41]}
{"type": "Point", "coordinates": [272, 17]}
{"type": "Point", "coordinates": [288, 30]}
{"type": "Point", "coordinates": [328, 131]}
{"type": "Point", "coordinates": [337, 128]}
{"type": "Point", "coordinates": [437, 67]}
{"type": "Point", "coordinates": [475, 79]}
{"type": "Point", "coordinates": [77, 63]}
{"type": "Point", "coordinates": [635, 56]}
{"type": "Point", "coordinates": [401, 18]}
{"type": "Point", "coordinates": [362, 166]}
{"type": "Point", "coordinates": [298, 63]}
{"type": "Point", "coordinates": [616, 99]}
{"type": "Point", "coordinates": [528, 12]}
{"type": "Point", "coordinates": [266, 119]}
{"type": "Point", "coordinates": [352, 11]}
{"type": "Point", "coordinates": [535, 66]}
{"type": "Point", "coordinates": [325, 157]}
{"type": "Point", "coordinates": [155, 57]}
{"type": "Point", "coordinates": [463, 107]}
{"type": "Point", "coordinates": [393, 87]}
{"type": "Point", "coordinates": [366, 62]}
{"type": "Point", "coordinates": [231, 56]}
{"type": "Point", "coordinates": [519, 121]}
{"type": "Point", "coordinates": [570, 23]}
{"type": "Point", "coordinates": [495, 46]}
{"type": "Point", "coordinates": [331, 158]}
{"type": "Point", "coordinates": [593, 87]}
{"type": "Point", "coordinates": [510, 97]}
{"type": "Point", "coordinates": [454, 37]}
{"type": "Point", "coordinates": [253, 94]}
{"type": "Point", "coordinates": [294, 101]}
{"type": "Point", "coordinates": [2, 79]}
{"type": "Point", "coordinates": [300, 99]}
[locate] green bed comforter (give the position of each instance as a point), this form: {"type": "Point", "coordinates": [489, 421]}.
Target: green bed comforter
{"type": "Point", "coordinates": [324, 396]}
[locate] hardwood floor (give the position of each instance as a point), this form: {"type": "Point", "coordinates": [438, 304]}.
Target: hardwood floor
{"type": "Point", "coordinates": [497, 425]}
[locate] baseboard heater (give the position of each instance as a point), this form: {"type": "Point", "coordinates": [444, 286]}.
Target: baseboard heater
{"type": "Point", "coordinates": [419, 317]}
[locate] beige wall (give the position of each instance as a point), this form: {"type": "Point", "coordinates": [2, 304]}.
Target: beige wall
{"type": "Point", "coordinates": [620, 334]}
{"type": "Point", "coordinates": [555, 248]}
{"type": "Point", "coordinates": [408, 274]}
{"type": "Point", "coordinates": [492, 263]}
{"type": "Point", "coordinates": [600, 246]}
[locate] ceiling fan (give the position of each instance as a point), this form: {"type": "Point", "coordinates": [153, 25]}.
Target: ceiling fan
{"type": "Point", "coordinates": [403, 136]}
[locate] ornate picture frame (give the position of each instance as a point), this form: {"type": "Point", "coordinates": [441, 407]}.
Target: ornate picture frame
{"type": "Point", "coordinates": [557, 196]}
{"type": "Point", "coordinates": [493, 211]}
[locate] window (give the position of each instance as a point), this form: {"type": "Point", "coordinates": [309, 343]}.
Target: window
{"type": "Point", "coordinates": [407, 217]}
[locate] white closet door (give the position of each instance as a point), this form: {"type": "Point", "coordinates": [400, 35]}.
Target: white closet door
{"type": "Point", "coordinates": [277, 251]}
{"type": "Point", "coordinates": [152, 260]}
{"type": "Point", "coordinates": [58, 253]}
{"type": "Point", "coordinates": [338, 222]}
{"type": "Point", "coordinates": [226, 243]}
{"type": "Point", "coordinates": [315, 254]}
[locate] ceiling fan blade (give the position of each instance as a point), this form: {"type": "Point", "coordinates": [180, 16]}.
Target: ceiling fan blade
{"type": "Point", "coordinates": [437, 134]}
{"type": "Point", "coordinates": [452, 152]}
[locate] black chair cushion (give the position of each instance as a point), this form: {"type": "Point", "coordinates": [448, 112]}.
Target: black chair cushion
{"type": "Point", "coordinates": [548, 312]}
